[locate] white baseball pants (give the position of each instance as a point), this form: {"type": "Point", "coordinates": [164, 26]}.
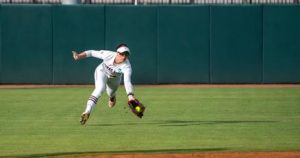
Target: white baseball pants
{"type": "Point", "coordinates": [102, 82]}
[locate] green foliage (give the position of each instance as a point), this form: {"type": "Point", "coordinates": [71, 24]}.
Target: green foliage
{"type": "Point", "coordinates": [45, 121]}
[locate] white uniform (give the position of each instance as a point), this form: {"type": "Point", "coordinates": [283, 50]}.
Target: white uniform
{"type": "Point", "coordinates": [108, 76]}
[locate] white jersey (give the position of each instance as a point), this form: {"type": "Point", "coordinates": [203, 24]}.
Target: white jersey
{"type": "Point", "coordinates": [111, 69]}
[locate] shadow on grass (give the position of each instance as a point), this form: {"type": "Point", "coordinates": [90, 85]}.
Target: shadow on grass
{"type": "Point", "coordinates": [190, 123]}
{"type": "Point", "coordinates": [183, 123]}
{"type": "Point", "coordinates": [90, 153]}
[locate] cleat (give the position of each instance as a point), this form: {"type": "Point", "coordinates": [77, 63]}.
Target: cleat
{"type": "Point", "coordinates": [84, 117]}
{"type": "Point", "coordinates": [112, 101]}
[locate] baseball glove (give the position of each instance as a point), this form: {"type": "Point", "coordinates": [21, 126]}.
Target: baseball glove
{"type": "Point", "coordinates": [137, 107]}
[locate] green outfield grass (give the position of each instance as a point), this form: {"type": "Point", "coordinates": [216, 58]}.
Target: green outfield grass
{"type": "Point", "coordinates": [45, 121]}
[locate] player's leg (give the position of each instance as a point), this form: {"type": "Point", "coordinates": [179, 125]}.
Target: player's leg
{"type": "Point", "coordinates": [100, 82]}
{"type": "Point", "coordinates": [111, 89]}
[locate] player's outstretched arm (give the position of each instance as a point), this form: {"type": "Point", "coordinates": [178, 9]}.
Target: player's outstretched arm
{"type": "Point", "coordinates": [77, 56]}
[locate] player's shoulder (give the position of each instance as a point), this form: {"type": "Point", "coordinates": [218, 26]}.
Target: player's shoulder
{"type": "Point", "coordinates": [127, 64]}
{"type": "Point", "coordinates": [109, 52]}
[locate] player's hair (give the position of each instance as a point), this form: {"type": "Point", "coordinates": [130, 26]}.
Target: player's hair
{"type": "Point", "coordinates": [121, 45]}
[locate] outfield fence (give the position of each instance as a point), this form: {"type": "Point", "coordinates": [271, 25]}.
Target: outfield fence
{"type": "Point", "coordinates": [150, 2]}
{"type": "Point", "coordinates": [171, 44]}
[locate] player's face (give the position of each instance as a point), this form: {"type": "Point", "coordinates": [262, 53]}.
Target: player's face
{"type": "Point", "coordinates": [120, 58]}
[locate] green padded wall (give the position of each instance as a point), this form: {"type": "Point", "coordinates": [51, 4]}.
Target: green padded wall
{"type": "Point", "coordinates": [183, 45]}
{"type": "Point", "coordinates": [169, 44]}
{"type": "Point", "coordinates": [136, 26]}
{"type": "Point", "coordinates": [0, 47]}
{"type": "Point", "coordinates": [79, 28]}
{"type": "Point", "coordinates": [236, 44]}
{"type": "Point", "coordinates": [281, 44]}
{"type": "Point", "coordinates": [26, 44]}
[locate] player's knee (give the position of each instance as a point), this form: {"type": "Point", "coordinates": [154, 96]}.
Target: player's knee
{"type": "Point", "coordinates": [97, 92]}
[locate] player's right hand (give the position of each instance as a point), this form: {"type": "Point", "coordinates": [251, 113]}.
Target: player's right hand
{"type": "Point", "coordinates": [75, 55]}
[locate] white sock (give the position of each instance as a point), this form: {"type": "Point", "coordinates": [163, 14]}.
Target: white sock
{"type": "Point", "coordinates": [90, 104]}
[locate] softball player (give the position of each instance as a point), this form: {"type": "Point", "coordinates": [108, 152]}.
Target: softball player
{"type": "Point", "coordinates": [108, 76]}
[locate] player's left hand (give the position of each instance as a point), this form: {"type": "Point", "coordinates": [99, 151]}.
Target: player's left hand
{"type": "Point", "coordinates": [131, 97]}
{"type": "Point", "coordinates": [136, 107]}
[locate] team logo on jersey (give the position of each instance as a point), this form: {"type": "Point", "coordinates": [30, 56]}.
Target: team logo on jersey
{"type": "Point", "coordinates": [112, 71]}
{"type": "Point", "coordinates": [108, 68]}
{"type": "Point", "coordinates": [119, 70]}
